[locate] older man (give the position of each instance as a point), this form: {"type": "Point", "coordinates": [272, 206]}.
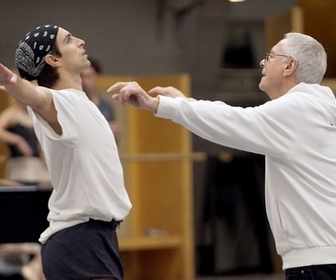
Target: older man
{"type": "Point", "coordinates": [296, 131]}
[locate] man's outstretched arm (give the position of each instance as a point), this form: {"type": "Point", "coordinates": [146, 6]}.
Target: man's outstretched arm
{"type": "Point", "coordinates": [131, 93]}
{"type": "Point", "coordinates": [38, 98]}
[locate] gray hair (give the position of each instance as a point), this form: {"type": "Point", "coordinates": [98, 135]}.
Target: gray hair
{"type": "Point", "coordinates": [310, 55]}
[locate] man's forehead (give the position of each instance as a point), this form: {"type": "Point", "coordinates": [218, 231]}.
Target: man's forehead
{"type": "Point", "coordinates": [62, 34]}
{"type": "Point", "coordinates": [277, 47]}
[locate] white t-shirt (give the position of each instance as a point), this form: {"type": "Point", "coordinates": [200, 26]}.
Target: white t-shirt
{"type": "Point", "coordinates": [84, 165]}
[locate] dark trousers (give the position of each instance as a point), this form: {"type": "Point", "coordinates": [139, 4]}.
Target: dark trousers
{"type": "Point", "coordinates": [313, 272]}
{"type": "Point", "coordinates": [85, 251]}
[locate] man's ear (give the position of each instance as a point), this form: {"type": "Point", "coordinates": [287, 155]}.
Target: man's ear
{"type": "Point", "coordinates": [291, 67]}
{"type": "Point", "coordinates": [52, 60]}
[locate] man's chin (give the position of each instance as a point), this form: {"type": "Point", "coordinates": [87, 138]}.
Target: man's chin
{"type": "Point", "coordinates": [261, 86]}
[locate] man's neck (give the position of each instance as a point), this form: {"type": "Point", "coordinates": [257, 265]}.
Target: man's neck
{"type": "Point", "coordinates": [73, 82]}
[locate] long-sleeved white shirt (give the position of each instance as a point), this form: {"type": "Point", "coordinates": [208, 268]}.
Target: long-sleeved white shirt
{"type": "Point", "coordinates": [297, 134]}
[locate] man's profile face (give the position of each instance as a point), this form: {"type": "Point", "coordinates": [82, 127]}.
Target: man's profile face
{"type": "Point", "coordinates": [73, 57]}
{"type": "Point", "coordinates": [273, 67]}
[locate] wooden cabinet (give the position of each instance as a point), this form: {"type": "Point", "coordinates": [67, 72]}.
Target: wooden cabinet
{"type": "Point", "coordinates": [276, 26]}
{"type": "Point", "coordinates": [319, 21]}
{"type": "Point", "coordinates": [156, 240]}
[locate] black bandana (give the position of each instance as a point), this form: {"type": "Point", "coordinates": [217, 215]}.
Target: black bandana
{"type": "Point", "coordinates": [29, 56]}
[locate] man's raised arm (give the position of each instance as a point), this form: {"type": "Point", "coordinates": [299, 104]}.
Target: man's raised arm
{"type": "Point", "coordinates": [38, 98]}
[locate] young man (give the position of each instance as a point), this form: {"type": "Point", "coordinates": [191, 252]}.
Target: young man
{"type": "Point", "coordinates": [89, 198]}
{"type": "Point", "coordinates": [296, 131]}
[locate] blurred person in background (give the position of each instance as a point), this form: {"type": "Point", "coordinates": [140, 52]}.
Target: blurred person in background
{"type": "Point", "coordinates": [90, 78]}
{"type": "Point", "coordinates": [25, 164]}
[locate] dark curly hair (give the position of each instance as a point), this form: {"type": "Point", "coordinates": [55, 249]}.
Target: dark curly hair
{"type": "Point", "coordinates": [49, 75]}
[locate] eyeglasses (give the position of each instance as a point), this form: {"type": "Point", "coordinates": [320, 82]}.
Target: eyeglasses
{"type": "Point", "coordinates": [270, 54]}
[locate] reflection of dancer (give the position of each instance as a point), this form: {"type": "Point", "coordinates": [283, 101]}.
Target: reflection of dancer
{"type": "Point", "coordinates": [296, 131]}
{"type": "Point", "coordinates": [26, 163]}
{"type": "Point", "coordinates": [89, 198]}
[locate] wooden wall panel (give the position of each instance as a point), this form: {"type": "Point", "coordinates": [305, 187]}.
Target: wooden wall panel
{"type": "Point", "coordinates": [320, 22]}
{"type": "Point", "coordinates": [277, 26]}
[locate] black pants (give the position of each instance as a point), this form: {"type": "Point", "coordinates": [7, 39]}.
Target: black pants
{"type": "Point", "coordinates": [313, 272]}
{"type": "Point", "coordinates": [82, 252]}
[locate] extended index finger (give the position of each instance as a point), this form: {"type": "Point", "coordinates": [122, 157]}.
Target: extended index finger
{"type": "Point", "coordinates": [116, 87]}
